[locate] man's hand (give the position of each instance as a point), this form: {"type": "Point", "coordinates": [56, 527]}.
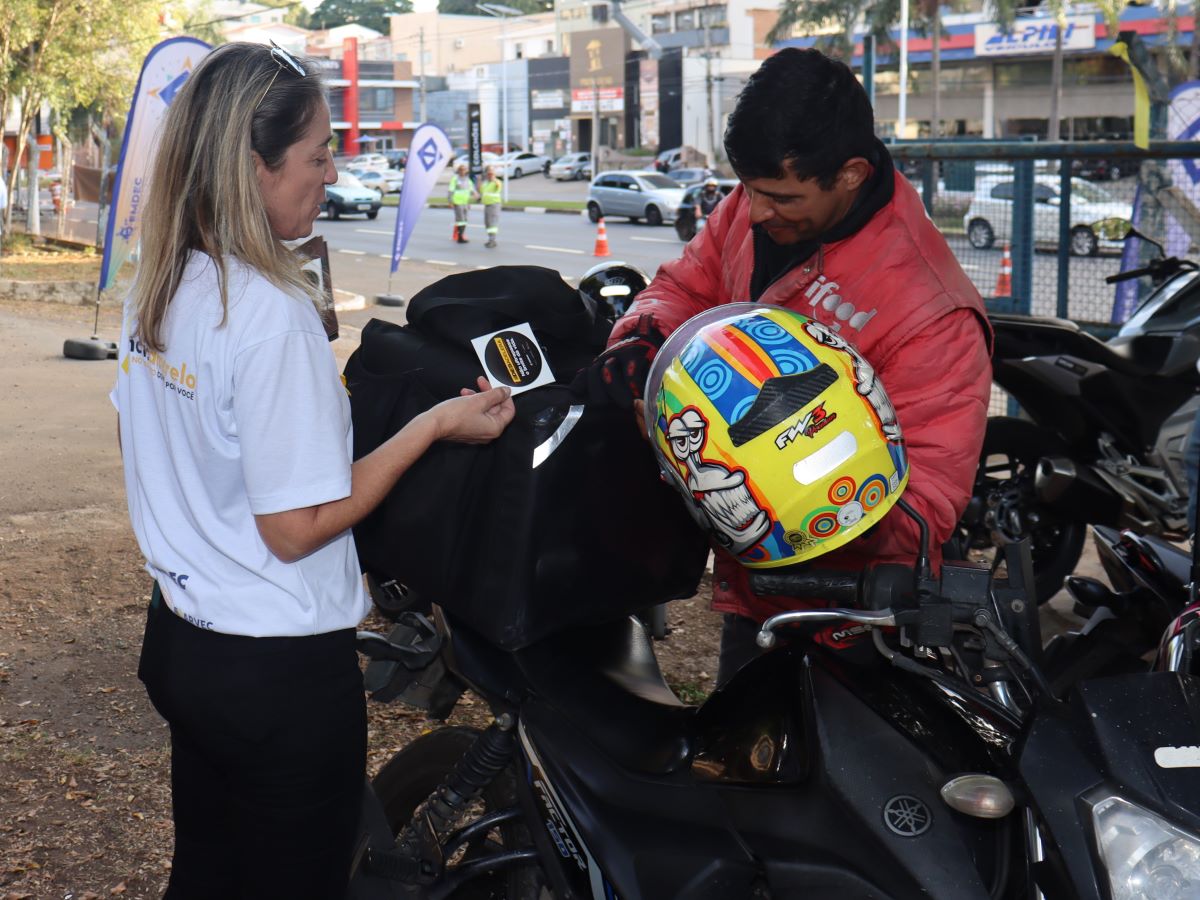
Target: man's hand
{"type": "Point", "coordinates": [617, 376]}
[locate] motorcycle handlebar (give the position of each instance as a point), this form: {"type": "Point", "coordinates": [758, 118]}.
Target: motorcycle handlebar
{"type": "Point", "coordinates": [1158, 268]}
{"type": "Point", "coordinates": [881, 587]}
{"type": "Point", "coordinates": [843, 588]}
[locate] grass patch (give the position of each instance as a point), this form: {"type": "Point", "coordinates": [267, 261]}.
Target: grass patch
{"type": "Point", "coordinates": [442, 203]}
{"type": "Point", "coordinates": [21, 259]}
{"type": "Point", "coordinates": [690, 693]}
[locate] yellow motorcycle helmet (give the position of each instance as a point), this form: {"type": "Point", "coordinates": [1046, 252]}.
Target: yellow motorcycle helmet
{"type": "Point", "coordinates": [775, 430]}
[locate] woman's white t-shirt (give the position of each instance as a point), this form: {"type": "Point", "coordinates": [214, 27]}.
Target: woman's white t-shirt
{"type": "Point", "coordinates": [235, 420]}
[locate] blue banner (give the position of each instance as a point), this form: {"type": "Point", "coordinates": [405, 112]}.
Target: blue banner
{"type": "Point", "coordinates": [167, 66]}
{"type": "Point", "coordinates": [427, 156]}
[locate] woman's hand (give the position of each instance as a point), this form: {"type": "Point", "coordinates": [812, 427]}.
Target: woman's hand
{"type": "Point", "coordinates": [475, 417]}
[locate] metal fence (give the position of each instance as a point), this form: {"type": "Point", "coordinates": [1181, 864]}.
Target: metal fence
{"type": "Point", "coordinates": [1038, 226]}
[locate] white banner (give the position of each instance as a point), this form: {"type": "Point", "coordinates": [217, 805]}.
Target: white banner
{"type": "Point", "coordinates": [427, 156]}
{"type": "Point", "coordinates": [166, 68]}
{"type": "Point", "coordinates": [1034, 36]}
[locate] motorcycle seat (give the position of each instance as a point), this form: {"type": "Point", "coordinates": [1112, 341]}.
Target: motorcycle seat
{"type": "Point", "coordinates": [605, 681]}
{"type": "Point", "coordinates": [1142, 356]}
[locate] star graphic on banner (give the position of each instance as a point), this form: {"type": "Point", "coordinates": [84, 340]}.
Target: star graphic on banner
{"type": "Point", "coordinates": [167, 92]}
{"type": "Point", "coordinates": [429, 155]}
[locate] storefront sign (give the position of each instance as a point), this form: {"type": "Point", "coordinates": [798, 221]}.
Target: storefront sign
{"type": "Point", "coordinates": [556, 99]}
{"type": "Point", "coordinates": [612, 99]}
{"type": "Point", "coordinates": [1035, 36]}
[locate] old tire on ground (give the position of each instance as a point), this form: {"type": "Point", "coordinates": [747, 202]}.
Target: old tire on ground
{"type": "Point", "coordinates": [414, 773]}
{"type": "Point", "coordinates": [75, 348]}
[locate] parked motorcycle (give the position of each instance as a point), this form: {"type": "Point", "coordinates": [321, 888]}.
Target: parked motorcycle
{"type": "Point", "coordinates": [1106, 428]}
{"type": "Point", "coordinates": [939, 767]}
{"type": "Point", "coordinates": [1125, 622]}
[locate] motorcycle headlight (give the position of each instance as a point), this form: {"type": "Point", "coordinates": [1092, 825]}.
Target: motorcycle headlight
{"type": "Point", "coordinates": [1146, 857]}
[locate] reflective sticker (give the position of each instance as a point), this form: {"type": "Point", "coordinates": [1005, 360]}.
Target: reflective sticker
{"type": "Point", "coordinates": [1178, 757]}
{"type": "Point", "coordinates": [820, 463]}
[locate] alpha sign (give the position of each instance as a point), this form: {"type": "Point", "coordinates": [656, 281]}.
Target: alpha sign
{"type": "Point", "coordinates": [1035, 36]}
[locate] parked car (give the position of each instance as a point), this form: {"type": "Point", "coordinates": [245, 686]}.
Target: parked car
{"type": "Point", "coordinates": [685, 178]}
{"type": "Point", "coordinates": [572, 167]}
{"type": "Point", "coordinates": [520, 163]}
{"type": "Point", "coordinates": [376, 161]}
{"type": "Point", "coordinates": [1097, 217]}
{"type": "Point", "coordinates": [636, 194]}
{"type": "Point", "coordinates": [489, 159]}
{"type": "Point", "coordinates": [685, 215]}
{"type": "Point", "coordinates": [668, 160]}
{"type": "Point", "coordinates": [397, 159]}
{"type": "Point", "coordinates": [349, 196]}
{"type": "Point", "coordinates": [1103, 169]}
{"type": "Point", "coordinates": [388, 182]}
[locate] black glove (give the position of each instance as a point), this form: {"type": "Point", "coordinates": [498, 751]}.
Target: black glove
{"type": "Point", "coordinates": [618, 375]}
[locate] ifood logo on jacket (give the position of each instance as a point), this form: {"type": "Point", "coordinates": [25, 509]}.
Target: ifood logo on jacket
{"type": "Point", "coordinates": [824, 293]}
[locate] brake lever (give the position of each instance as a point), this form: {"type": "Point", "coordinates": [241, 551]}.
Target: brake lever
{"type": "Point", "coordinates": [882, 618]}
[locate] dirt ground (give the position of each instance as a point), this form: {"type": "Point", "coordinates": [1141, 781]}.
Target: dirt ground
{"type": "Point", "coordinates": [84, 796]}
{"type": "Point", "coordinates": [84, 799]}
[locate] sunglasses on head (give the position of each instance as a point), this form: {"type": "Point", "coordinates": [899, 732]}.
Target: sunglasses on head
{"type": "Point", "coordinates": [284, 61]}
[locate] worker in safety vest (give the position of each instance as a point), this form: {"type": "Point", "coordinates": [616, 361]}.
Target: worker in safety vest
{"type": "Point", "coordinates": [461, 191]}
{"type": "Point", "coordinates": [489, 191]}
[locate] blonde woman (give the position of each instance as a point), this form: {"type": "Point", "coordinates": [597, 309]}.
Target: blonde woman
{"type": "Point", "coordinates": [235, 432]}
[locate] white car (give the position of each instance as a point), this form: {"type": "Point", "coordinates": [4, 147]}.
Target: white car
{"type": "Point", "coordinates": [488, 158]}
{"type": "Point", "coordinates": [637, 194]}
{"type": "Point", "coordinates": [376, 162]}
{"type": "Point", "coordinates": [520, 163]}
{"type": "Point", "coordinates": [388, 182]}
{"type": "Point", "coordinates": [1097, 217]}
{"type": "Point", "coordinates": [572, 167]}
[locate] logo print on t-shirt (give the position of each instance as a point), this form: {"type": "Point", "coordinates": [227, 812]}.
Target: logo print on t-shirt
{"type": "Point", "coordinates": [174, 377]}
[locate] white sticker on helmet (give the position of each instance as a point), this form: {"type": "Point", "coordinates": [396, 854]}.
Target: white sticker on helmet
{"type": "Point", "coordinates": [817, 465]}
{"type": "Point", "coordinates": [615, 290]}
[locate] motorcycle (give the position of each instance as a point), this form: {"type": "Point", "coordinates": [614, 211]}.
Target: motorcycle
{"type": "Point", "coordinates": [932, 761]}
{"type": "Point", "coordinates": [1125, 622]}
{"type": "Point", "coordinates": [1106, 428]}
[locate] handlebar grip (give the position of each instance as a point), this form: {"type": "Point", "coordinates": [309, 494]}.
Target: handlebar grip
{"type": "Point", "coordinates": [829, 585]}
{"type": "Point", "coordinates": [1129, 275]}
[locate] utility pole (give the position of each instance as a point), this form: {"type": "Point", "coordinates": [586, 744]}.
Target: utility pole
{"type": "Point", "coordinates": [424, 111]}
{"type": "Point", "coordinates": [595, 128]}
{"type": "Point", "coordinates": [708, 95]}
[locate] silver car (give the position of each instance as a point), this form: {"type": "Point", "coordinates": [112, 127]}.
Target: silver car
{"type": "Point", "coordinates": [635, 194]}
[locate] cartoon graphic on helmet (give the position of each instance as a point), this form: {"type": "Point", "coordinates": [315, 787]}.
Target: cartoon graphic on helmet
{"type": "Point", "coordinates": [776, 431]}
{"type": "Point", "coordinates": [721, 491]}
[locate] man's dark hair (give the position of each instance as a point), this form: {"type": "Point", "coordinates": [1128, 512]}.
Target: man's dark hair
{"type": "Point", "coordinates": [804, 109]}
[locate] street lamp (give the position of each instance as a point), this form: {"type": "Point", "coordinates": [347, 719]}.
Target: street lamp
{"type": "Point", "coordinates": [503, 13]}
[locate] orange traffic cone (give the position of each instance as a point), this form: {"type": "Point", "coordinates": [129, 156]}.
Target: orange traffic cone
{"type": "Point", "coordinates": [1004, 280]}
{"type": "Point", "coordinates": [601, 240]}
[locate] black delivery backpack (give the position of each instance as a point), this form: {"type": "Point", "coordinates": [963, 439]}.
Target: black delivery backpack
{"type": "Point", "coordinates": [562, 521]}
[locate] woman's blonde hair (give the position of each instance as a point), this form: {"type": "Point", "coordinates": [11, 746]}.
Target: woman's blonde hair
{"type": "Point", "coordinates": [203, 193]}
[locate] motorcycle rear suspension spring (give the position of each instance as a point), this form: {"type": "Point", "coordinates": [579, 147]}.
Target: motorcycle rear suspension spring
{"type": "Point", "coordinates": [440, 815]}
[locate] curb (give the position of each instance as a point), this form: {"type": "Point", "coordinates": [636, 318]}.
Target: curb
{"type": "Point", "coordinates": [344, 301]}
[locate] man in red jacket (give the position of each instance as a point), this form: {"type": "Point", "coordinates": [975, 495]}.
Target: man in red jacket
{"type": "Point", "coordinates": [823, 224]}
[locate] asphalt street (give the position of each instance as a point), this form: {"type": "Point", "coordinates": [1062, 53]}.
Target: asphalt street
{"type": "Point", "coordinates": [360, 249]}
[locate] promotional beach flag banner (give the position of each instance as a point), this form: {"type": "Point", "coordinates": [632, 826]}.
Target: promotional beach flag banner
{"type": "Point", "coordinates": [427, 156]}
{"type": "Point", "coordinates": [166, 68]}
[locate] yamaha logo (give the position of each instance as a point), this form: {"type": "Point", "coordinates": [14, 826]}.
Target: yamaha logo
{"type": "Point", "coordinates": [907, 816]}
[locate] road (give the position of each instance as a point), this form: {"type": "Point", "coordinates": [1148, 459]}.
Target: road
{"type": "Point", "coordinates": [565, 242]}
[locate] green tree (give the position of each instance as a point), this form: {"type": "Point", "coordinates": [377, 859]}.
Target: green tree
{"type": "Point", "coordinates": [64, 54]}
{"type": "Point", "coordinates": [468, 7]}
{"type": "Point", "coordinates": [368, 13]}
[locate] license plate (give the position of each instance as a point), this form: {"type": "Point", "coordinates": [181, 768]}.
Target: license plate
{"type": "Point", "coordinates": [364, 206]}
